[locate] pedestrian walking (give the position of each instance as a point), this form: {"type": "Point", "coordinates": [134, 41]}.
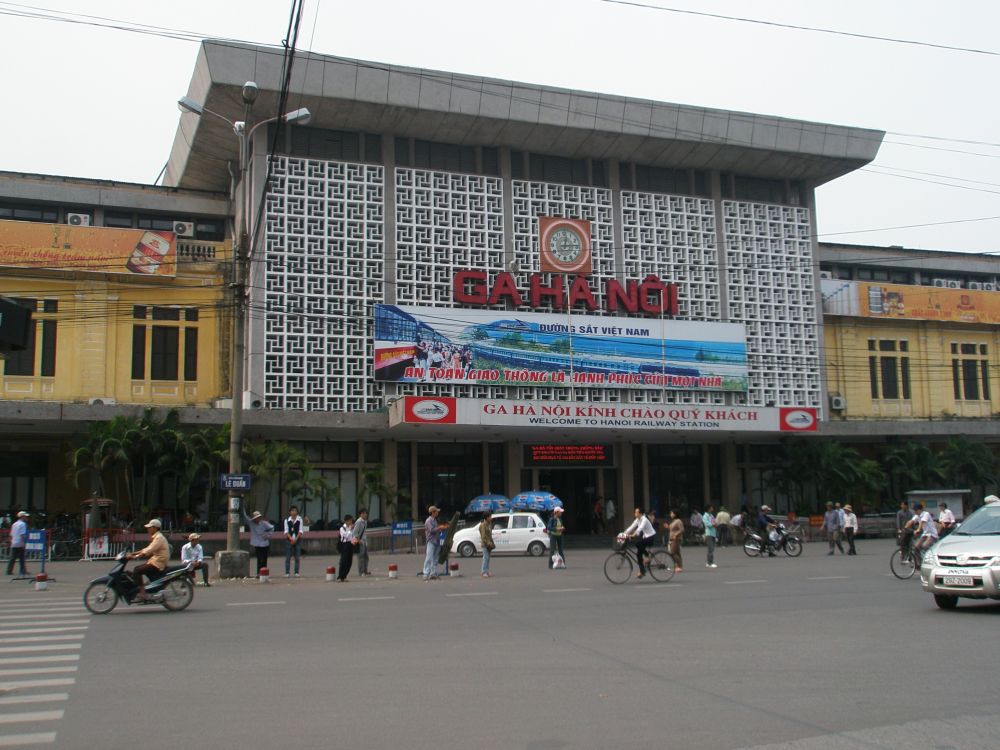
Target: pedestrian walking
{"type": "Point", "coordinates": [556, 529]}
{"type": "Point", "coordinates": [486, 537]}
{"type": "Point", "coordinates": [597, 524]}
{"type": "Point", "coordinates": [833, 526]}
{"type": "Point", "coordinates": [260, 536]}
{"type": "Point", "coordinates": [850, 528]}
{"type": "Point", "coordinates": [360, 543]}
{"type": "Point", "coordinates": [293, 540]}
{"type": "Point", "coordinates": [609, 514]}
{"type": "Point", "coordinates": [675, 534]}
{"type": "Point", "coordinates": [194, 554]}
{"type": "Point", "coordinates": [697, 526]}
{"type": "Point", "coordinates": [346, 548]}
{"type": "Point", "coordinates": [722, 519]}
{"type": "Point", "coordinates": [431, 531]}
{"type": "Point", "coordinates": [18, 544]}
{"type": "Point", "coordinates": [709, 521]}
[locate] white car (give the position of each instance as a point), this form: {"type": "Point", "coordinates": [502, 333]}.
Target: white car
{"type": "Point", "coordinates": [966, 563]}
{"type": "Point", "coordinates": [512, 532]}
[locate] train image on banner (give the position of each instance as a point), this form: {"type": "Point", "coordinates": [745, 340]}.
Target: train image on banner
{"type": "Point", "coordinates": [445, 345]}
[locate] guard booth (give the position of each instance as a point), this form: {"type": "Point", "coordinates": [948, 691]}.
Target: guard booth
{"type": "Point", "coordinates": [930, 498]}
{"type": "Point", "coordinates": [102, 539]}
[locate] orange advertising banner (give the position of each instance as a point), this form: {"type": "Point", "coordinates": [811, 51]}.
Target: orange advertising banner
{"type": "Point", "coordinates": [138, 252]}
{"type": "Point", "coordinates": [928, 303]}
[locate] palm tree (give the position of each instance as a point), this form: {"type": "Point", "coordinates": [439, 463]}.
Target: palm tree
{"type": "Point", "coordinates": [912, 466]}
{"type": "Point", "coordinates": [375, 488]}
{"type": "Point", "coordinates": [968, 464]}
{"type": "Point", "coordinates": [273, 463]}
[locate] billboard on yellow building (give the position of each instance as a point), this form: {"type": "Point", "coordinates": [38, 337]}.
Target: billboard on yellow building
{"type": "Point", "coordinates": [135, 252]}
{"type": "Point", "coordinates": [942, 304]}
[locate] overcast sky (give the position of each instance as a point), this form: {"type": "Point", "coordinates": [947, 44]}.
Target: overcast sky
{"type": "Point", "coordinates": [95, 102]}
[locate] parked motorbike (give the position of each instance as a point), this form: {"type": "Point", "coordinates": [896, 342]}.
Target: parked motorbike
{"type": "Point", "coordinates": [173, 589]}
{"type": "Point", "coordinates": [778, 539]}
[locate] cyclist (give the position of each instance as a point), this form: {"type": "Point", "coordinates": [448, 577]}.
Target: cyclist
{"type": "Point", "coordinates": [643, 532]}
{"type": "Point", "coordinates": [926, 528]}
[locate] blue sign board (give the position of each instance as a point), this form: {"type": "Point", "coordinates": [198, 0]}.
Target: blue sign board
{"type": "Point", "coordinates": [402, 528]}
{"type": "Point", "coordinates": [235, 481]}
{"type": "Point", "coordinates": [35, 541]}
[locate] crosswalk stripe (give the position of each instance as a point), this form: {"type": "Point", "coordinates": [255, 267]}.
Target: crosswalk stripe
{"type": "Point", "coordinates": [46, 622]}
{"type": "Point", "coordinates": [25, 631]}
{"type": "Point", "coordinates": [16, 700]}
{"type": "Point", "coordinates": [46, 610]}
{"type": "Point", "coordinates": [35, 738]}
{"type": "Point", "coordinates": [22, 684]}
{"type": "Point", "coordinates": [57, 600]}
{"type": "Point", "coordinates": [35, 659]}
{"type": "Point", "coordinates": [40, 638]}
{"type": "Point", "coordinates": [51, 615]}
{"type": "Point", "coordinates": [41, 647]}
{"type": "Point", "coordinates": [36, 670]}
{"type": "Point", "coordinates": [31, 716]}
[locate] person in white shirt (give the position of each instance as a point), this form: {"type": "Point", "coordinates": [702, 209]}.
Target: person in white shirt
{"type": "Point", "coordinates": [926, 528]}
{"type": "Point", "coordinates": [18, 542]}
{"type": "Point", "coordinates": [850, 528]}
{"type": "Point", "coordinates": [946, 519]}
{"type": "Point", "coordinates": [193, 553]}
{"type": "Point", "coordinates": [643, 532]}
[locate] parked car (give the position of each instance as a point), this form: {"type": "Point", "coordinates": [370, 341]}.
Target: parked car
{"type": "Point", "coordinates": [512, 532]}
{"type": "Point", "coordinates": [966, 563]}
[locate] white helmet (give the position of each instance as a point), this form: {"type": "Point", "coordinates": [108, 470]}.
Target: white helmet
{"type": "Point", "coordinates": [991, 499]}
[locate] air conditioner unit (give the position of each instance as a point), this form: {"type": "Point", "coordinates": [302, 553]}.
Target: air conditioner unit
{"type": "Point", "coordinates": [989, 286]}
{"type": "Point", "coordinates": [826, 274]}
{"type": "Point", "coordinates": [102, 401]}
{"type": "Point", "coordinates": [78, 220]}
{"type": "Point", "coordinates": [838, 403]}
{"type": "Point", "coordinates": [941, 282]}
{"type": "Point", "coordinates": [252, 400]}
{"type": "Point", "coordinates": [975, 285]}
{"type": "Point", "coordinates": [184, 228]}
{"type": "Point", "coordinates": [954, 284]}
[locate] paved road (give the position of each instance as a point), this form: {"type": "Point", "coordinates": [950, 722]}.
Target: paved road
{"type": "Point", "coordinates": [813, 653]}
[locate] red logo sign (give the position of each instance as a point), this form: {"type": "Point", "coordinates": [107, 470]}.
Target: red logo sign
{"type": "Point", "coordinates": [797, 420]}
{"type": "Point", "coordinates": [442, 410]}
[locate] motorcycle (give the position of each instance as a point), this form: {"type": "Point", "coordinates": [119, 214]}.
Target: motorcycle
{"type": "Point", "coordinates": [755, 545]}
{"type": "Point", "coordinates": [173, 589]}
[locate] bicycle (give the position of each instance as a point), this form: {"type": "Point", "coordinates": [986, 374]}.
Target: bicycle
{"type": "Point", "coordinates": [66, 549]}
{"type": "Point", "coordinates": [618, 567]}
{"type": "Point", "coordinates": [906, 561]}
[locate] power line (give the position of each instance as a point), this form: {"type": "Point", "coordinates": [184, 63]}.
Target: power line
{"type": "Point", "coordinates": [799, 27]}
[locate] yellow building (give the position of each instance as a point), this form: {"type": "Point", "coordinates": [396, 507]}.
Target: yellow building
{"type": "Point", "coordinates": [912, 340]}
{"type": "Point", "coordinates": [128, 287]}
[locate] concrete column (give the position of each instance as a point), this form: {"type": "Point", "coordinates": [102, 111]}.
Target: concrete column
{"type": "Point", "coordinates": [512, 480]}
{"type": "Point", "coordinates": [617, 220]}
{"type": "Point", "coordinates": [390, 466]}
{"type": "Point", "coordinates": [389, 219]}
{"type": "Point", "coordinates": [715, 186]}
{"type": "Point", "coordinates": [626, 483]}
{"type": "Point", "coordinates": [414, 500]}
{"type": "Point", "coordinates": [508, 207]}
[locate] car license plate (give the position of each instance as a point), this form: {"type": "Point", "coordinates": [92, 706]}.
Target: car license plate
{"type": "Point", "coordinates": [957, 580]}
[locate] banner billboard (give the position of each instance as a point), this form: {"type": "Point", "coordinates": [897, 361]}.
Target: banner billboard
{"type": "Point", "coordinates": [138, 252]}
{"type": "Point", "coordinates": [909, 302]}
{"type": "Point", "coordinates": [498, 347]}
{"type": "Point", "coordinates": [699, 418]}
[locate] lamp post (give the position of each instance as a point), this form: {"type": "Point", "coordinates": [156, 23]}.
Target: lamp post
{"type": "Point", "coordinates": [235, 562]}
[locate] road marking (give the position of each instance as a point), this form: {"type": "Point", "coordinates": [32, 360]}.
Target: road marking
{"type": "Point", "coordinates": [250, 604]}
{"type": "Point", "coordinates": [827, 578]}
{"type": "Point", "coordinates": [53, 715]}
{"type": "Point", "coordinates": [562, 591]}
{"type": "Point", "coordinates": [45, 622]}
{"type": "Point", "coordinates": [22, 602]}
{"type": "Point", "coordinates": [12, 700]}
{"type": "Point", "coordinates": [476, 593]}
{"type": "Point", "coordinates": [755, 580]}
{"type": "Point", "coordinates": [22, 684]}
{"type": "Point", "coordinates": [44, 610]}
{"type": "Point", "coordinates": [39, 614]}
{"type": "Point", "coordinates": [656, 585]}
{"type": "Point", "coordinates": [24, 631]}
{"type": "Point", "coordinates": [363, 598]}
{"type": "Point", "coordinates": [42, 647]}
{"type": "Point", "coordinates": [38, 638]}
{"type": "Point", "coordinates": [39, 670]}
{"type": "Point", "coordinates": [38, 659]}
{"type": "Point", "coordinates": [35, 738]}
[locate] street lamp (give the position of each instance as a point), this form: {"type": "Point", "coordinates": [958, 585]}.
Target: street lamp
{"type": "Point", "coordinates": [233, 562]}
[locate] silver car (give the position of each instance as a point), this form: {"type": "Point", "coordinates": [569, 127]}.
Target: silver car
{"type": "Point", "coordinates": [965, 563]}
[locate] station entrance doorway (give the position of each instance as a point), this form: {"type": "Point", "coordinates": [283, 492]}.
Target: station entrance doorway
{"type": "Point", "coordinates": [578, 489]}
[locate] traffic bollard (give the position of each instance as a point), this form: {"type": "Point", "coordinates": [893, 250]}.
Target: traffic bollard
{"type": "Point", "coordinates": [41, 582]}
{"type": "Point", "coordinates": [331, 574]}
{"type": "Point", "coordinates": [393, 570]}
{"type": "Point", "coordinates": [453, 569]}
{"type": "Point", "coordinates": [263, 575]}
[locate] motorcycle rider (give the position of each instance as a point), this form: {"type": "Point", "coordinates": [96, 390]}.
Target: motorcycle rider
{"type": "Point", "coordinates": [767, 526]}
{"type": "Point", "coordinates": [157, 552]}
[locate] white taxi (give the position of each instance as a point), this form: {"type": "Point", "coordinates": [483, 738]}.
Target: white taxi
{"type": "Point", "coordinates": [512, 532]}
